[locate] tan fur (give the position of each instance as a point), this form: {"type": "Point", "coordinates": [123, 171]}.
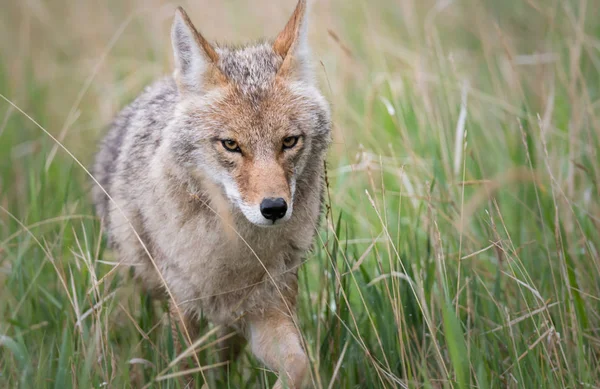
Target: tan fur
{"type": "Point", "coordinates": [195, 204]}
{"type": "Point", "coordinates": [265, 171]}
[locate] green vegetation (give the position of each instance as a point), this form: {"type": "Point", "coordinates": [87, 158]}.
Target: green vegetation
{"type": "Point", "coordinates": [461, 242]}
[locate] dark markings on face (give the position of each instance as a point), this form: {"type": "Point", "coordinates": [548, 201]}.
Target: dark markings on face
{"type": "Point", "coordinates": [227, 161]}
{"type": "Point", "coordinates": [295, 154]}
{"type": "Point", "coordinates": [322, 120]}
{"type": "Point", "coordinates": [183, 150]}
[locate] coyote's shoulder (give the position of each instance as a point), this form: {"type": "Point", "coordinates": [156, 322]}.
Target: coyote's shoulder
{"type": "Point", "coordinates": [135, 132]}
{"type": "Point", "coordinates": [215, 178]}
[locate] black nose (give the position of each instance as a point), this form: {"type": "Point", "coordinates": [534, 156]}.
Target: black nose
{"type": "Point", "coordinates": [273, 209]}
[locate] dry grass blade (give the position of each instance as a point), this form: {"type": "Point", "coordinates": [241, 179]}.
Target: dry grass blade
{"type": "Point", "coordinates": [338, 365]}
{"type": "Point", "coordinates": [521, 318]}
{"type": "Point", "coordinates": [190, 371]}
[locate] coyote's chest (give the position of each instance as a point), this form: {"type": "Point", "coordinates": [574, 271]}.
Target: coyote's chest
{"type": "Point", "coordinates": [221, 270]}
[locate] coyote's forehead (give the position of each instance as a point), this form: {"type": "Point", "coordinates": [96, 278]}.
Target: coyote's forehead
{"type": "Point", "coordinates": [278, 109]}
{"type": "Point", "coordinates": [252, 69]}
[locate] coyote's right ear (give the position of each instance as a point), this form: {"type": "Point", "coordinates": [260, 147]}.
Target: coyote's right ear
{"type": "Point", "coordinates": [292, 45]}
{"type": "Point", "coordinates": [195, 58]}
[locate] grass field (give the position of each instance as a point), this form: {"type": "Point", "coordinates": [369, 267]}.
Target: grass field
{"type": "Point", "coordinates": [462, 234]}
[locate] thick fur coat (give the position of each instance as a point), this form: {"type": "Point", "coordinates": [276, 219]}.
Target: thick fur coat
{"type": "Point", "coordinates": [185, 172]}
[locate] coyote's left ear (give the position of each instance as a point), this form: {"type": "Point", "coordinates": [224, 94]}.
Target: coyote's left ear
{"type": "Point", "coordinates": [292, 45]}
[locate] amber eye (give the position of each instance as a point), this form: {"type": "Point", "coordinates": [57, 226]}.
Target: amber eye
{"type": "Point", "coordinates": [290, 142]}
{"type": "Point", "coordinates": [231, 145]}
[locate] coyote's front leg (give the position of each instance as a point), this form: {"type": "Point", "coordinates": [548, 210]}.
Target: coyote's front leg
{"type": "Point", "coordinates": [275, 340]}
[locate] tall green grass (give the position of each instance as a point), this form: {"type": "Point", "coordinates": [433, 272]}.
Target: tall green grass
{"type": "Point", "coordinates": [460, 245]}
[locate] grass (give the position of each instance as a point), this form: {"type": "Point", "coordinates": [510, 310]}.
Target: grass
{"type": "Point", "coordinates": [461, 242]}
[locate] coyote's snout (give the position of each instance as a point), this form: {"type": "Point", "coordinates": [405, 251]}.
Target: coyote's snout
{"type": "Point", "coordinates": [240, 129]}
{"type": "Point", "coordinates": [267, 196]}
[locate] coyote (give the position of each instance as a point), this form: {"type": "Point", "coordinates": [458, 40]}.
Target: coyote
{"type": "Point", "coordinates": [212, 186]}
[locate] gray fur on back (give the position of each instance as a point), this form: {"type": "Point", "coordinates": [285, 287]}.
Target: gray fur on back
{"type": "Point", "coordinates": [134, 135]}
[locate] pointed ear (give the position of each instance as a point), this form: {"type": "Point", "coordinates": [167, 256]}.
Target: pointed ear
{"type": "Point", "coordinates": [195, 58]}
{"type": "Point", "coordinates": [292, 44]}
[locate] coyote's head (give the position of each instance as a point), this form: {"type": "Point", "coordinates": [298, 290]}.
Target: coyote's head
{"type": "Point", "coordinates": [251, 118]}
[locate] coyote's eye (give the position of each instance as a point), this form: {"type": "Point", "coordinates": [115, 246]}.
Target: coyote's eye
{"type": "Point", "coordinates": [290, 142]}
{"type": "Point", "coordinates": [231, 145]}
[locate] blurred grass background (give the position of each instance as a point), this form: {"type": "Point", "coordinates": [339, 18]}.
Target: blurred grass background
{"type": "Point", "coordinates": [460, 247]}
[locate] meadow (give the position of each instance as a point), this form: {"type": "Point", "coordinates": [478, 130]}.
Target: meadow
{"type": "Point", "coordinates": [460, 242]}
